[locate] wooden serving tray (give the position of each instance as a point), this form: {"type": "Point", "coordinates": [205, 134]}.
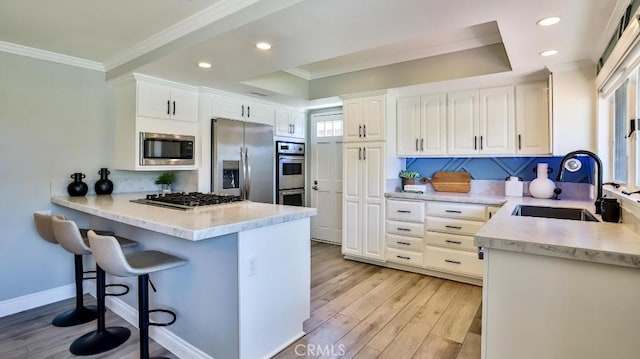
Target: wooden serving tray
{"type": "Point", "coordinates": [450, 181]}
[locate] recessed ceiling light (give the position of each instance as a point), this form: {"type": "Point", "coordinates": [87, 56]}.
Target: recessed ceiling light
{"type": "Point", "coordinates": [548, 21]}
{"type": "Point", "coordinates": [263, 45]}
{"type": "Point", "coordinates": [548, 53]}
{"type": "Point", "coordinates": [204, 65]}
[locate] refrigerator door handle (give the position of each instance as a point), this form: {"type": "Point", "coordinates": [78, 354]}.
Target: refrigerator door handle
{"type": "Point", "coordinates": [248, 178]}
{"type": "Point", "coordinates": [244, 173]}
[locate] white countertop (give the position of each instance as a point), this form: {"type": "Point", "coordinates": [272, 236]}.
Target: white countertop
{"type": "Point", "coordinates": [192, 225]}
{"type": "Point", "coordinates": [599, 242]}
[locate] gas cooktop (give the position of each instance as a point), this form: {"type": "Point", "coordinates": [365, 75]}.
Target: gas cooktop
{"type": "Point", "coordinates": [187, 201]}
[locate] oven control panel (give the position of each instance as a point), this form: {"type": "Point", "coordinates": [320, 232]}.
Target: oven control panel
{"type": "Point", "coordinates": [290, 148]}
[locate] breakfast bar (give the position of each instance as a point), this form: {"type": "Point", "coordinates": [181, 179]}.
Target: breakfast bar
{"type": "Point", "coordinates": [244, 292]}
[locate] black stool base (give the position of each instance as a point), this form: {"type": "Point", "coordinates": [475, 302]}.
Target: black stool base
{"type": "Point", "coordinates": [100, 341]}
{"type": "Point", "coordinates": [75, 316]}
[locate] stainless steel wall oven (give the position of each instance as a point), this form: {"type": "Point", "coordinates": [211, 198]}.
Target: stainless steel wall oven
{"type": "Point", "coordinates": [290, 178]}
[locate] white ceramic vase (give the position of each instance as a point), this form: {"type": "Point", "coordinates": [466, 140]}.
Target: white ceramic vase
{"type": "Point", "coordinates": [542, 186]}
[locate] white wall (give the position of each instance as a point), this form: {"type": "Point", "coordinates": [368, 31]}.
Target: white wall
{"type": "Point", "coordinates": [574, 109]}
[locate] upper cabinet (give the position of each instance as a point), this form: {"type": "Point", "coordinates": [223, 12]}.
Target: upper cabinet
{"type": "Point", "coordinates": [166, 102]}
{"type": "Point", "coordinates": [532, 119]}
{"type": "Point", "coordinates": [241, 110]}
{"type": "Point", "coordinates": [421, 125]}
{"type": "Point", "coordinates": [364, 118]}
{"type": "Point", "coordinates": [482, 122]}
{"type": "Point", "coordinates": [504, 120]}
{"type": "Point", "coordinates": [290, 124]}
{"type": "Point", "coordinates": [146, 104]}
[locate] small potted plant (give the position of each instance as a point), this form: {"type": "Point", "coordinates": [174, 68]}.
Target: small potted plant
{"type": "Point", "coordinates": [166, 179]}
{"type": "Point", "coordinates": [408, 177]}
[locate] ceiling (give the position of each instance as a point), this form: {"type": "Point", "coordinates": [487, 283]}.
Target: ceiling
{"type": "Point", "coordinates": [320, 48]}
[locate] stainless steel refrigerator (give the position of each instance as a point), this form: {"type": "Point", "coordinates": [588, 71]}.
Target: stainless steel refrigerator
{"type": "Point", "coordinates": [242, 159]}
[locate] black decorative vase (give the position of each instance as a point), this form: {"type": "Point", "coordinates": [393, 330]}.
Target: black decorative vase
{"type": "Point", "coordinates": [77, 188]}
{"type": "Point", "coordinates": [104, 184]}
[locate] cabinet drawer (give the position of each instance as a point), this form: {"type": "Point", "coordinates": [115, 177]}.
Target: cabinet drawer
{"type": "Point", "coordinates": [453, 261]}
{"type": "Point", "coordinates": [453, 241]}
{"type": "Point", "coordinates": [457, 210]}
{"type": "Point", "coordinates": [406, 229]}
{"type": "Point", "coordinates": [405, 211]}
{"type": "Point", "coordinates": [405, 243]}
{"type": "Point", "coordinates": [409, 258]}
{"type": "Point", "coordinates": [453, 226]}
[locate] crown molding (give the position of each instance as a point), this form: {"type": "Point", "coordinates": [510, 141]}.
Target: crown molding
{"type": "Point", "coordinates": [50, 56]}
{"type": "Point", "coordinates": [203, 18]}
{"type": "Point", "coordinates": [296, 71]}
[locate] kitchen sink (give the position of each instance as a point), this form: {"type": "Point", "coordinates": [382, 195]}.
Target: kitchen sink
{"type": "Point", "coordinates": [575, 214]}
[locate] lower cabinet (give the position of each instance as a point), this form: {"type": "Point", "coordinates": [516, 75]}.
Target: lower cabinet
{"type": "Point", "coordinates": [435, 237]}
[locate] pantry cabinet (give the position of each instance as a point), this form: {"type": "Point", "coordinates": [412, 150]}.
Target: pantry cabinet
{"type": "Point", "coordinates": [363, 200]}
{"type": "Point", "coordinates": [364, 118]}
{"type": "Point", "coordinates": [421, 125]}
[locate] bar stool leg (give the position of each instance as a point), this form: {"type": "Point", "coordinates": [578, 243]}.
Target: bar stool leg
{"type": "Point", "coordinates": [80, 314]}
{"type": "Point", "coordinates": [143, 316]}
{"type": "Point", "coordinates": [102, 339]}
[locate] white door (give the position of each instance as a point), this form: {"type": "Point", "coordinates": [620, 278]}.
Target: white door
{"type": "Point", "coordinates": [408, 126]}
{"type": "Point", "coordinates": [433, 135]}
{"type": "Point", "coordinates": [462, 117]}
{"type": "Point", "coordinates": [373, 118]}
{"type": "Point", "coordinates": [497, 121]}
{"type": "Point", "coordinates": [532, 119]}
{"type": "Point", "coordinates": [184, 105]}
{"type": "Point", "coordinates": [352, 119]}
{"type": "Point", "coordinates": [326, 176]}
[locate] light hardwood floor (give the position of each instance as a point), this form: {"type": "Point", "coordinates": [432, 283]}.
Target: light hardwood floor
{"type": "Point", "coordinates": [357, 311]}
{"type": "Point", "coordinates": [364, 311]}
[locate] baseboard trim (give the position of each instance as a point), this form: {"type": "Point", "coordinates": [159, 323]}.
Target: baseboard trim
{"type": "Point", "coordinates": [37, 299]}
{"type": "Point", "coordinates": [164, 337]}
{"type": "Point", "coordinates": [286, 344]}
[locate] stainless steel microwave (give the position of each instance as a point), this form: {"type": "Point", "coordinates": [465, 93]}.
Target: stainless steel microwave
{"type": "Point", "coordinates": [160, 149]}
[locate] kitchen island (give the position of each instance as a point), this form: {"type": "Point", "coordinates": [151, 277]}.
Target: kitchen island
{"type": "Point", "coordinates": [246, 289]}
{"type": "Point", "coordinates": [556, 288]}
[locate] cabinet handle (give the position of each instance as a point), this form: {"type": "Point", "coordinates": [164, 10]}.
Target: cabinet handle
{"type": "Point", "coordinates": [417, 145]}
{"type": "Point", "coordinates": [519, 142]}
{"type": "Point", "coordinates": [403, 257]}
{"type": "Point", "coordinates": [364, 130]}
{"type": "Point", "coordinates": [174, 107]}
{"type": "Point", "coordinates": [360, 153]}
{"type": "Point", "coordinates": [403, 229]}
{"type": "Point", "coordinates": [242, 115]}
{"type": "Point", "coordinates": [452, 211]}
{"type": "Point", "coordinates": [480, 143]}
{"type": "Point", "coordinates": [168, 107]}
{"type": "Point", "coordinates": [403, 211]}
{"type": "Point", "coordinates": [475, 142]}
{"type": "Point", "coordinates": [453, 227]}
{"type": "Point", "coordinates": [364, 153]}
{"type": "Point", "coordinates": [248, 111]}
{"type": "Point", "coordinates": [451, 261]}
{"type": "Point", "coordinates": [453, 242]}
{"type": "Point", "coordinates": [422, 144]}
{"type": "Point", "coordinates": [293, 128]}
{"type": "Point", "coordinates": [403, 243]}
{"type": "Point", "coordinates": [359, 130]}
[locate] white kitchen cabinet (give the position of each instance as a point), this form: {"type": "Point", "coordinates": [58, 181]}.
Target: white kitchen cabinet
{"type": "Point", "coordinates": [481, 122]}
{"type": "Point", "coordinates": [405, 232]}
{"type": "Point", "coordinates": [140, 105]}
{"type": "Point", "coordinates": [242, 110]}
{"type": "Point", "coordinates": [364, 118]}
{"type": "Point", "coordinates": [532, 119]}
{"type": "Point", "coordinates": [363, 200]}
{"type": "Point", "coordinates": [166, 102]}
{"type": "Point", "coordinates": [421, 125]}
{"type": "Point", "coordinates": [449, 230]}
{"type": "Point", "coordinates": [290, 124]}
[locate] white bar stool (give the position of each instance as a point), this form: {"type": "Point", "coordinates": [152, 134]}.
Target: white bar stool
{"type": "Point", "coordinates": [109, 256]}
{"type": "Point", "coordinates": [80, 314]}
{"type": "Point", "coordinates": [103, 338]}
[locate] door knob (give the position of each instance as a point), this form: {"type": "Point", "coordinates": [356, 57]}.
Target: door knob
{"type": "Point", "coordinates": [314, 187]}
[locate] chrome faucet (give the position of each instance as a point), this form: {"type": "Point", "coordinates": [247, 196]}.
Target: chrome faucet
{"type": "Point", "coordinates": [598, 162]}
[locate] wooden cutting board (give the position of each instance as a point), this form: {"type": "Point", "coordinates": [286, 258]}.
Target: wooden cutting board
{"type": "Point", "coordinates": [450, 181]}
